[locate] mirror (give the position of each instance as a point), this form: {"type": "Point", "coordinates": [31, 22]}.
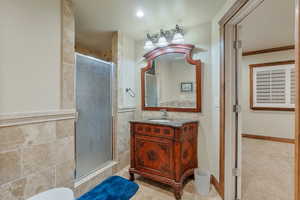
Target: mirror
{"type": "Point", "coordinates": [171, 81]}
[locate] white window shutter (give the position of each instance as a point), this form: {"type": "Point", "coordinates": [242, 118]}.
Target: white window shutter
{"type": "Point", "coordinates": [293, 86]}
{"type": "Point", "coordinates": [263, 87]}
{"type": "Point", "coordinates": [274, 86]}
{"type": "Point", "coordinates": [278, 86]}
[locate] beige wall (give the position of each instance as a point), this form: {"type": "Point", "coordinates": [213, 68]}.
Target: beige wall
{"type": "Point", "coordinates": [267, 123]}
{"type": "Point", "coordinates": [30, 55]}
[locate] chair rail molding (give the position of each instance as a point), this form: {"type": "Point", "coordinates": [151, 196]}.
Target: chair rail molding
{"type": "Point", "coordinates": [269, 138]}
{"type": "Point", "coordinates": [22, 118]}
{"type": "Point", "coordinates": [270, 50]}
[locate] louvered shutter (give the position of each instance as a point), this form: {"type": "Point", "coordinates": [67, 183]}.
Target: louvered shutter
{"type": "Point", "coordinates": [274, 86]}
{"type": "Point", "coordinates": [293, 86]}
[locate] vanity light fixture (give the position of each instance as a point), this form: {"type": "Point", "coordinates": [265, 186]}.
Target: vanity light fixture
{"type": "Point", "coordinates": [164, 38]}
{"type": "Point", "coordinates": [178, 36]}
{"type": "Point", "coordinates": [162, 41]}
{"type": "Point", "coordinates": [149, 44]}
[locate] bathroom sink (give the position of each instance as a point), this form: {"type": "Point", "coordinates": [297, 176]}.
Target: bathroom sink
{"type": "Point", "coordinates": [160, 120]}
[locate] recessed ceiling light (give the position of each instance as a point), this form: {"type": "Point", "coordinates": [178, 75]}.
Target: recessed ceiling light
{"type": "Point", "coordinates": [140, 14]}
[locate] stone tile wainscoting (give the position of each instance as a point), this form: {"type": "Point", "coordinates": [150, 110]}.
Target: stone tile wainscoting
{"type": "Point", "coordinates": [123, 138]}
{"type": "Point", "coordinates": [36, 153]}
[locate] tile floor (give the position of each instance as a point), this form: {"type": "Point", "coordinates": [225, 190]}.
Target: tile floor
{"type": "Point", "coordinates": [150, 190]}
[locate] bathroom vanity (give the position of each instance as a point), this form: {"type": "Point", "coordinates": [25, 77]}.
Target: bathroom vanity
{"type": "Point", "coordinates": [164, 151]}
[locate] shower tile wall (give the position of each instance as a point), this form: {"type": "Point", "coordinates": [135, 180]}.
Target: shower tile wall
{"type": "Point", "coordinates": [36, 157]}
{"type": "Point", "coordinates": [103, 55]}
{"type": "Point", "coordinates": [68, 55]}
{"type": "Point", "coordinates": [123, 139]}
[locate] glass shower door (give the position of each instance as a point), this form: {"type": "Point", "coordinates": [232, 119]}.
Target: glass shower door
{"type": "Point", "coordinates": [94, 107]}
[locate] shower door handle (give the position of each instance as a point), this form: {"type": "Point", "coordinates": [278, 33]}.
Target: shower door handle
{"type": "Point", "coordinates": [76, 116]}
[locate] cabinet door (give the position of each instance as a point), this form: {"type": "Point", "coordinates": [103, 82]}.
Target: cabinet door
{"type": "Point", "coordinates": [154, 155]}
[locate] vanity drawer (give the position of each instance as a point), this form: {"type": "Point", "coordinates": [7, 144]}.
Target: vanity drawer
{"type": "Point", "coordinates": [153, 130]}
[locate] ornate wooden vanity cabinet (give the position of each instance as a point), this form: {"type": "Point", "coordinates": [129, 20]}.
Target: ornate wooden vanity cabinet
{"type": "Point", "coordinates": [166, 150]}
{"type": "Point", "coordinates": [164, 153]}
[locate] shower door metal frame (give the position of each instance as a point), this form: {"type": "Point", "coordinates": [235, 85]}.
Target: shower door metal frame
{"type": "Point", "coordinates": [114, 109]}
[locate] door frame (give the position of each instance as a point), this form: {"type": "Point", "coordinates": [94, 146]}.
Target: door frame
{"type": "Point", "coordinates": [239, 10]}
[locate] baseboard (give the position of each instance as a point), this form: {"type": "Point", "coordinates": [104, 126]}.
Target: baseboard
{"type": "Point", "coordinates": [269, 138]}
{"type": "Point", "coordinates": [217, 185]}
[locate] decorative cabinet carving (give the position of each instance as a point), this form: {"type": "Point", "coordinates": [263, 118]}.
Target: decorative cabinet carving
{"type": "Point", "coordinates": [164, 153]}
{"type": "Point", "coordinates": [153, 155]}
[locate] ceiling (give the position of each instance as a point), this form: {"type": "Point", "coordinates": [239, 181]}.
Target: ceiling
{"type": "Point", "coordinates": [97, 19]}
{"type": "Point", "coordinates": [270, 25]}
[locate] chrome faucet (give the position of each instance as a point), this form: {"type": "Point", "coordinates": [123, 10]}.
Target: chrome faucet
{"type": "Point", "coordinates": [164, 114]}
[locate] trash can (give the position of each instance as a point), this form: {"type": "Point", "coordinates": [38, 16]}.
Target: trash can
{"type": "Point", "coordinates": [202, 181]}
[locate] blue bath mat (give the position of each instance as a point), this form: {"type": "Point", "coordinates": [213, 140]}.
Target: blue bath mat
{"type": "Point", "coordinates": [113, 188]}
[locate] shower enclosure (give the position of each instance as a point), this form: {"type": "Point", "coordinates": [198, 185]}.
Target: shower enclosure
{"type": "Point", "coordinates": [94, 107]}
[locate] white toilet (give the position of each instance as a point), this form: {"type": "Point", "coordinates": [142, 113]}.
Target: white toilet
{"type": "Point", "coordinates": [55, 194]}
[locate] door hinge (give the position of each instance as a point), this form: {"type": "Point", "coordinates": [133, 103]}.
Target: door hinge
{"type": "Point", "coordinates": [237, 108]}
{"type": "Point", "coordinates": [237, 44]}
{"type": "Point", "coordinates": [236, 172]}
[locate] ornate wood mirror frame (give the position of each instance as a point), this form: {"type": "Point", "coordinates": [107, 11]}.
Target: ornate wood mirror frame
{"type": "Point", "coordinates": [185, 49]}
